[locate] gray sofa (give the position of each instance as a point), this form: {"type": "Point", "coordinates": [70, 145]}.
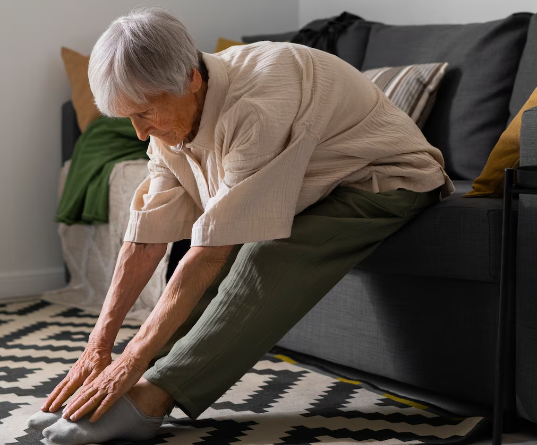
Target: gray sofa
{"type": "Point", "coordinates": [422, 309]}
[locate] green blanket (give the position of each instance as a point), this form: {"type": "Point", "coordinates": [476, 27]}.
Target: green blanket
{"type": "Point", "coordinates": [105, 142]}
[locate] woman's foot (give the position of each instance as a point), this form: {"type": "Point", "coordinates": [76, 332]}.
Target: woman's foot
{"type": "Point", "coordinates": [41, 420]}
{"type": "Point", "coordinates": [152, 400]}
{"type": "Point", "coordinates": [123, 421]}
{"type": "Point", "coordinates": [144, 397]}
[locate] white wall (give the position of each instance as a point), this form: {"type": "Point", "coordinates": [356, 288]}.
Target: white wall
{"type": "Point", "coordinates": [33, 86]}
{"type": "Point", "coordinates": [415, 12]}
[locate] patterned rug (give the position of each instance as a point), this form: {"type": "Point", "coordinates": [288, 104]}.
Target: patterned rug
{"type": "Point", "coordinates": [278, 401]}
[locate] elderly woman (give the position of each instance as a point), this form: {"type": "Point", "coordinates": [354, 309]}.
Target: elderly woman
{"type": "Point", "coordinates": [283, 164]}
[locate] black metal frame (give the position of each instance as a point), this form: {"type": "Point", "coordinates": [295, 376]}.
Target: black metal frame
{"type": "Point", "coordinates": [505, 418]}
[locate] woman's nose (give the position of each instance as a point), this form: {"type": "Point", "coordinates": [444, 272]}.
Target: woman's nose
{"type": "Point", "coordinates": [142, 131]}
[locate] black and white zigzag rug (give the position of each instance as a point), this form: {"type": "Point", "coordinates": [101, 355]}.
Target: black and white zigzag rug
{"type": "Point", "coordinates": [278, 401]}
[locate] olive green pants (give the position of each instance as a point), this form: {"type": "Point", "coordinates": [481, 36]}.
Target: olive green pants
{"type": "Point", "coordinates": [266, 287]}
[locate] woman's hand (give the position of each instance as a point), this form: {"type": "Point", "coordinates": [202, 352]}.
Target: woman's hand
{"type": "Point", "coordinates": [91, 363]}
{"type": "Point", "coordinates": [117, 379]}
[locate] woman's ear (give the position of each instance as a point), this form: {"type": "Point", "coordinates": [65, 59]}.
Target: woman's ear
{"type": "Point", "coordinates": [195, 81]}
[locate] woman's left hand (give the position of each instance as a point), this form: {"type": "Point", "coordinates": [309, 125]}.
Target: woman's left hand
{"type": "Point", "coordinates": [103, 391]}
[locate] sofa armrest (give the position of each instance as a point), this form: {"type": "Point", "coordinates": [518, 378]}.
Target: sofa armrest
{"type": "Point", "coordinates": [70, 130]}
{"type": "Point", "coordinates": [526, 282]}
{"type": "Point", "coordinates": [528, 138]}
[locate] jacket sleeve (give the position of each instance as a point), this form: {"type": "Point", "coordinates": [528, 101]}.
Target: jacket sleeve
{"type": "Point", "coordinates": [264, 158]}
{"type": "Point", "coordinates": [161, 211]}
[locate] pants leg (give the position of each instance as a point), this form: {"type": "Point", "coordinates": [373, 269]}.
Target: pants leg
{"type": "Point", "coordinates": [271, 285]}
{"type": "Point", "coordinates": [200, 307]}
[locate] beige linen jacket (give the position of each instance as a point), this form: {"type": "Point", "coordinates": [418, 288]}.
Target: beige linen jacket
{"type": "Point", "coordinates": [282, 126]}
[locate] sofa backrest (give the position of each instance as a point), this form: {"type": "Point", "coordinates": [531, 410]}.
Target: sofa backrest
{"type": "Point", "coordinates": [478, 95]}
{"type": "Point", "coordinates": [345, 35]}
{"type": "Point", "coordinates": [472, 105]}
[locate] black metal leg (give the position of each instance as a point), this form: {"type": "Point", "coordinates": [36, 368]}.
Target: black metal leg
{"type": "Point", "coordinates": [506, 286]}
{"type": "Point", "coordinates": [510, 418]}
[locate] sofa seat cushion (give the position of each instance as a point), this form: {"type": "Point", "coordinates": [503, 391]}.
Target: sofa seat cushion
{"type": "Point", "coordinates": [456, 238]}
{"type": "Point", "coordinates": [472, 105]}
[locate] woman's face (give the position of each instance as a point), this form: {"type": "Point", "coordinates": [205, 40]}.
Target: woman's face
{"type": "Point", "coordinates": [167, 117]}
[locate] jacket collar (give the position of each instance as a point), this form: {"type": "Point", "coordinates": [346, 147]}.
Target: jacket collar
{"type": "Point", "coordinates": [214, 101]}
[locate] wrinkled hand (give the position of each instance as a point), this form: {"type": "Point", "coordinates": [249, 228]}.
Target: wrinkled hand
{"type": "Point", "coordinates": [91, 363]}
{"type": "Point", "coordinates": [116, 379]}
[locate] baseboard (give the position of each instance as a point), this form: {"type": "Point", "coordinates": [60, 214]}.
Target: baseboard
{"type": "Point", "coordinates": [17, 285]}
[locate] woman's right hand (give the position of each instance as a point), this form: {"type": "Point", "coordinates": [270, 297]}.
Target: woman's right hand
{"type": "Point", "coordinates": [90, 364]}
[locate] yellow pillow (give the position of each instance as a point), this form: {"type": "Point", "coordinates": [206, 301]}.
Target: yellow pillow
{"type": "Point", "coordinates": [506, 154]}
{"type": "Point", "coordinates": [76, 66]}
{"type": "Point", "coordinates": [225, 44]}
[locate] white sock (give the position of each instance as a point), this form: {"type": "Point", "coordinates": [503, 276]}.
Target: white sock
{"type": "Point", "coordinates": [40, 420]}
{"type": "Point", "coordinates": [124, 420]}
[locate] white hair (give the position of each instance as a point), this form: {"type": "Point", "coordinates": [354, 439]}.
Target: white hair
{"type": "Point", "coordinates": [141, 54]}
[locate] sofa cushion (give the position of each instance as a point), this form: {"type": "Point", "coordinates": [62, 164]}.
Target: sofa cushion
{"type": "Point", "coordinates": [472, 107]}
{"type": "Point", "coordinates": [526, 77]}
{"type": "Point", "coordinates": [352, 43]}
{"type": "Point", "coordinates": [411, 88]}
{"type": "Point", "coordinates": [223, 44]}
{"type": "Point", "coordinates": [506, 154]}
{"type": "Point", "coordinates": [456, 238]}
{"type": "Point", "coordinates": [76, 66]}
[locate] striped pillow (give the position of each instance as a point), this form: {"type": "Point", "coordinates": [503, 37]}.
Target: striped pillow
{"type": "Point", "coordinates": [412, 88]}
